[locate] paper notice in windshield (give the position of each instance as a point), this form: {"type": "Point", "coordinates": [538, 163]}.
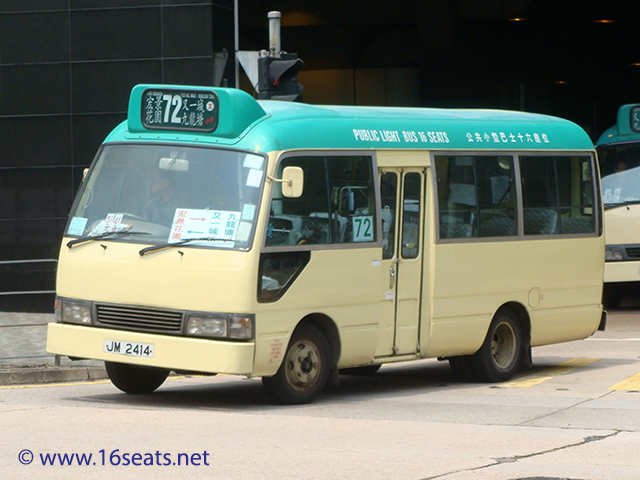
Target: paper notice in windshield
{"type": "Point", "coordinates": [113, 223]}
{"type": "Point", "coordinates": [254, 178]}
{"type": "Point", "coordinates": [207, 224]}
{"type": "Point", "coordinates": [253, 161]}
{"type": "Point", "coordinates": [612, 195]}
{"type": "Point", "coordinates": [77, 225]}
{"type": "Point", "coordinates": [248, 211]}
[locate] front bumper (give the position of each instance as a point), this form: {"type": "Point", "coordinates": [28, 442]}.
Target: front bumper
{"type": "Point", "coordinates": [170, 352]}
{"type": "Point", "coordinates": [621, 272]}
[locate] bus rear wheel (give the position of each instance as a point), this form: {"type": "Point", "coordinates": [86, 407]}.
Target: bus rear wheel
{"type": "Point", "coordinates": [305, 369]}
{"type": "Point", "coordinates": [499, 357]}
{"type": "Point", "coordinates": [134, 379]}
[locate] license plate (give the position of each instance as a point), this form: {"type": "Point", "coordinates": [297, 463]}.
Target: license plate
{"type": "Point", "coordinates": [129, 348]}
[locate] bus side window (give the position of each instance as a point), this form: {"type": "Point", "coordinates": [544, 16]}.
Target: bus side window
{"type": "Point", "coordinates": [388, 189]}
{"type": "Point", "coordinates": [476, 197]}
{"type": "Point", "coordinates": [411, 215]}
{"type": "Point", "coordinates": [496, 196]}
{"type": "Point", "coordinates": [456, 196]}
{"type": "Point", "coordinates": [277, 271]}
{"type": "Point", "coordinates": [539, 195]}
{"type": "Point", "coordinates": [337, 204]}
{"type": "Point", "coordinates": [557, 195]}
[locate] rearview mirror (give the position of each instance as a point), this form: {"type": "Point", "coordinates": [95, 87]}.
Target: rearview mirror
{"type": "Point", "coordinates": [174, 164]}
{"type": "Point", "coordinates": [292, 182]}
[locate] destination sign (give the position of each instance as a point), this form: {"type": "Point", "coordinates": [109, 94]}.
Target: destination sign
{"type": "Point", "coordinates": [190, 110]}
{"type": "Point", "coordinates": [635, 119]}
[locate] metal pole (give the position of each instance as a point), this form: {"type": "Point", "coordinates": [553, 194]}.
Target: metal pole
{"type": "Point", "coordinates": [274, 34]}
{"type": "Point", "coordinates": [236, 40]}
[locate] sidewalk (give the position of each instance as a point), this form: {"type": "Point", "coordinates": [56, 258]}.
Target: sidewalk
{"type": "Point", "coordinates": [23, 359]}
{"type": "Point", "coordinates": [31, 375]}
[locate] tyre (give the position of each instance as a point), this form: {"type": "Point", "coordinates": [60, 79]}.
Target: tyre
{"type": "Point", "coordinates": [500, 354]}
{"type": "Point", "coordinates": [305, 369]}
{"type": "Point", "coordinates": [612, 297]}
{"type": "Point", "coordinates": [366, 371]}
{"type": "Point", "coordinates": [134, 379]}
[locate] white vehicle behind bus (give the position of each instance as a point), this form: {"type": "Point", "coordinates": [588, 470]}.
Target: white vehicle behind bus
{"type": "Point", "coordinates": [619, 158]}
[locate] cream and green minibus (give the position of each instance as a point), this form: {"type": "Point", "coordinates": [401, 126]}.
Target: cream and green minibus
{"type": "Point", "coordinates": [218, 234]}
{"type": "Point", "coordinates": [619, 158]}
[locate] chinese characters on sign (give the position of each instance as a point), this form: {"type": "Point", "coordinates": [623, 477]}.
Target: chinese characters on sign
{"type": "Point", "coordinates": [111, 224]}
{"type": "Point", "coordinates": [209, 224]}
{"type": "Point", "coordinates": [502, 137]}
{"type": "Point", "coordinates": [180, 110]}
{"type": "Point", "coordinates": [635, 119]}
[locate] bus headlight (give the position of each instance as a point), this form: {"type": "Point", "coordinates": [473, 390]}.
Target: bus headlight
{"type": "Point", "coordinates": [613, 254]}
{"type": "Point", "coordinates": [236, 327]}
{"type": "Point", "coordinates": [73, 311]}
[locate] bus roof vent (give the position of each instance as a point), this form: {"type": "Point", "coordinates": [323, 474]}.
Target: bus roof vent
{"type": "Point", "coordinates": [219, 112]}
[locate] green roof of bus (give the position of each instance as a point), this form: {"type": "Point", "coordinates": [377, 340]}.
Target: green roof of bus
{"type": "Point", "coordinates": [271, 125]}
{"type": "Point", "coordinates": [621, 132]}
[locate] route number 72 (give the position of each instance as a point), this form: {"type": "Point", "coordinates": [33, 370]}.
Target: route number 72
{"type": "Point", "coordinates": [363, 229]}
{"type": "Point", "coordinates": [176, 102]}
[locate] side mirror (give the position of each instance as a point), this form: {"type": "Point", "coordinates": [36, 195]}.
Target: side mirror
{"type": "Point", "coordinates": [175, 164]}
{"type": "Point", "coordinates": [292, 182]}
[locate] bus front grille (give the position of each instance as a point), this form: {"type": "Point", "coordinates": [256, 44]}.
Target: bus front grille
{"type": "Point", "coordinates": [633, 252]}
{"type": "Point", "coordinates": [140, 319]}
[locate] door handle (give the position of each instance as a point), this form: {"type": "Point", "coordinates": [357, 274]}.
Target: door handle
{"type": "Point", "coordinates": [392, 277]}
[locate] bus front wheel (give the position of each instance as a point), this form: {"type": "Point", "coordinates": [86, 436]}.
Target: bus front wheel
{"type": "Point", "coordinates": [612, 296]}
{"type": "Point", "coordinates": [499, 357]}
{"type": "Point", "coordinates": [134, 379]}
{"type": "Point", "coordinates": [305, 369]}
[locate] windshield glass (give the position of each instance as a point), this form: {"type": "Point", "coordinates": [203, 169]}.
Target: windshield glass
{"type": "Point", "coordinates": [620, 170]}
{"type": "Point", "coordinates": [156, 194]}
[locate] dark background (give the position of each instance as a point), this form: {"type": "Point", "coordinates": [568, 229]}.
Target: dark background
{"type": "Point", "coordinates": [67, 67]}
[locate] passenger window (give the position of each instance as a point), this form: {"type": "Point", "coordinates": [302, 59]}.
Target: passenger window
{"type": "Point", "coordinates": [337, 204]}
{"type": "Point", "coordinates": [277, 272]}
{"type": "Point", "coordinates": [411, 215]}
{"type": "Point", "coordinates": [388, 192]}
{"type": "Point", "coordinates": [557, 195]}
{"type": "Point", "coordinates": [476, 197]}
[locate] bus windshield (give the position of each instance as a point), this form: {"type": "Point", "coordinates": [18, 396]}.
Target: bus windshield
{"type": "Point", "coordinates": [166, 195]}
{"type": "Point", "coordinates": [620, 170]}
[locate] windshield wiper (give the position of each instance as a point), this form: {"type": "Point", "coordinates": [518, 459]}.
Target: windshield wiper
{"type": "Point", "coordinates": [89, 238]}
{"type": "Point", "coordinates": [182, 242]}
{"type": "Point", "coordinates": [607, 206]}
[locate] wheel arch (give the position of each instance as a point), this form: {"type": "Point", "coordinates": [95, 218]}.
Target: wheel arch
{"type": "Point", "coordinates": [524, 319]}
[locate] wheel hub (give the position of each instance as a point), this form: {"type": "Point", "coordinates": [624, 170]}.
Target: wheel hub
{"type": "Point", "coordinates": [503, 346]}
{"type": "Point", "coordinates": [303, 365]}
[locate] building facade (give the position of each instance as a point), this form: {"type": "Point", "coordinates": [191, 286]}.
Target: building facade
{"type": "Point", "coordinates": [66, 70]}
